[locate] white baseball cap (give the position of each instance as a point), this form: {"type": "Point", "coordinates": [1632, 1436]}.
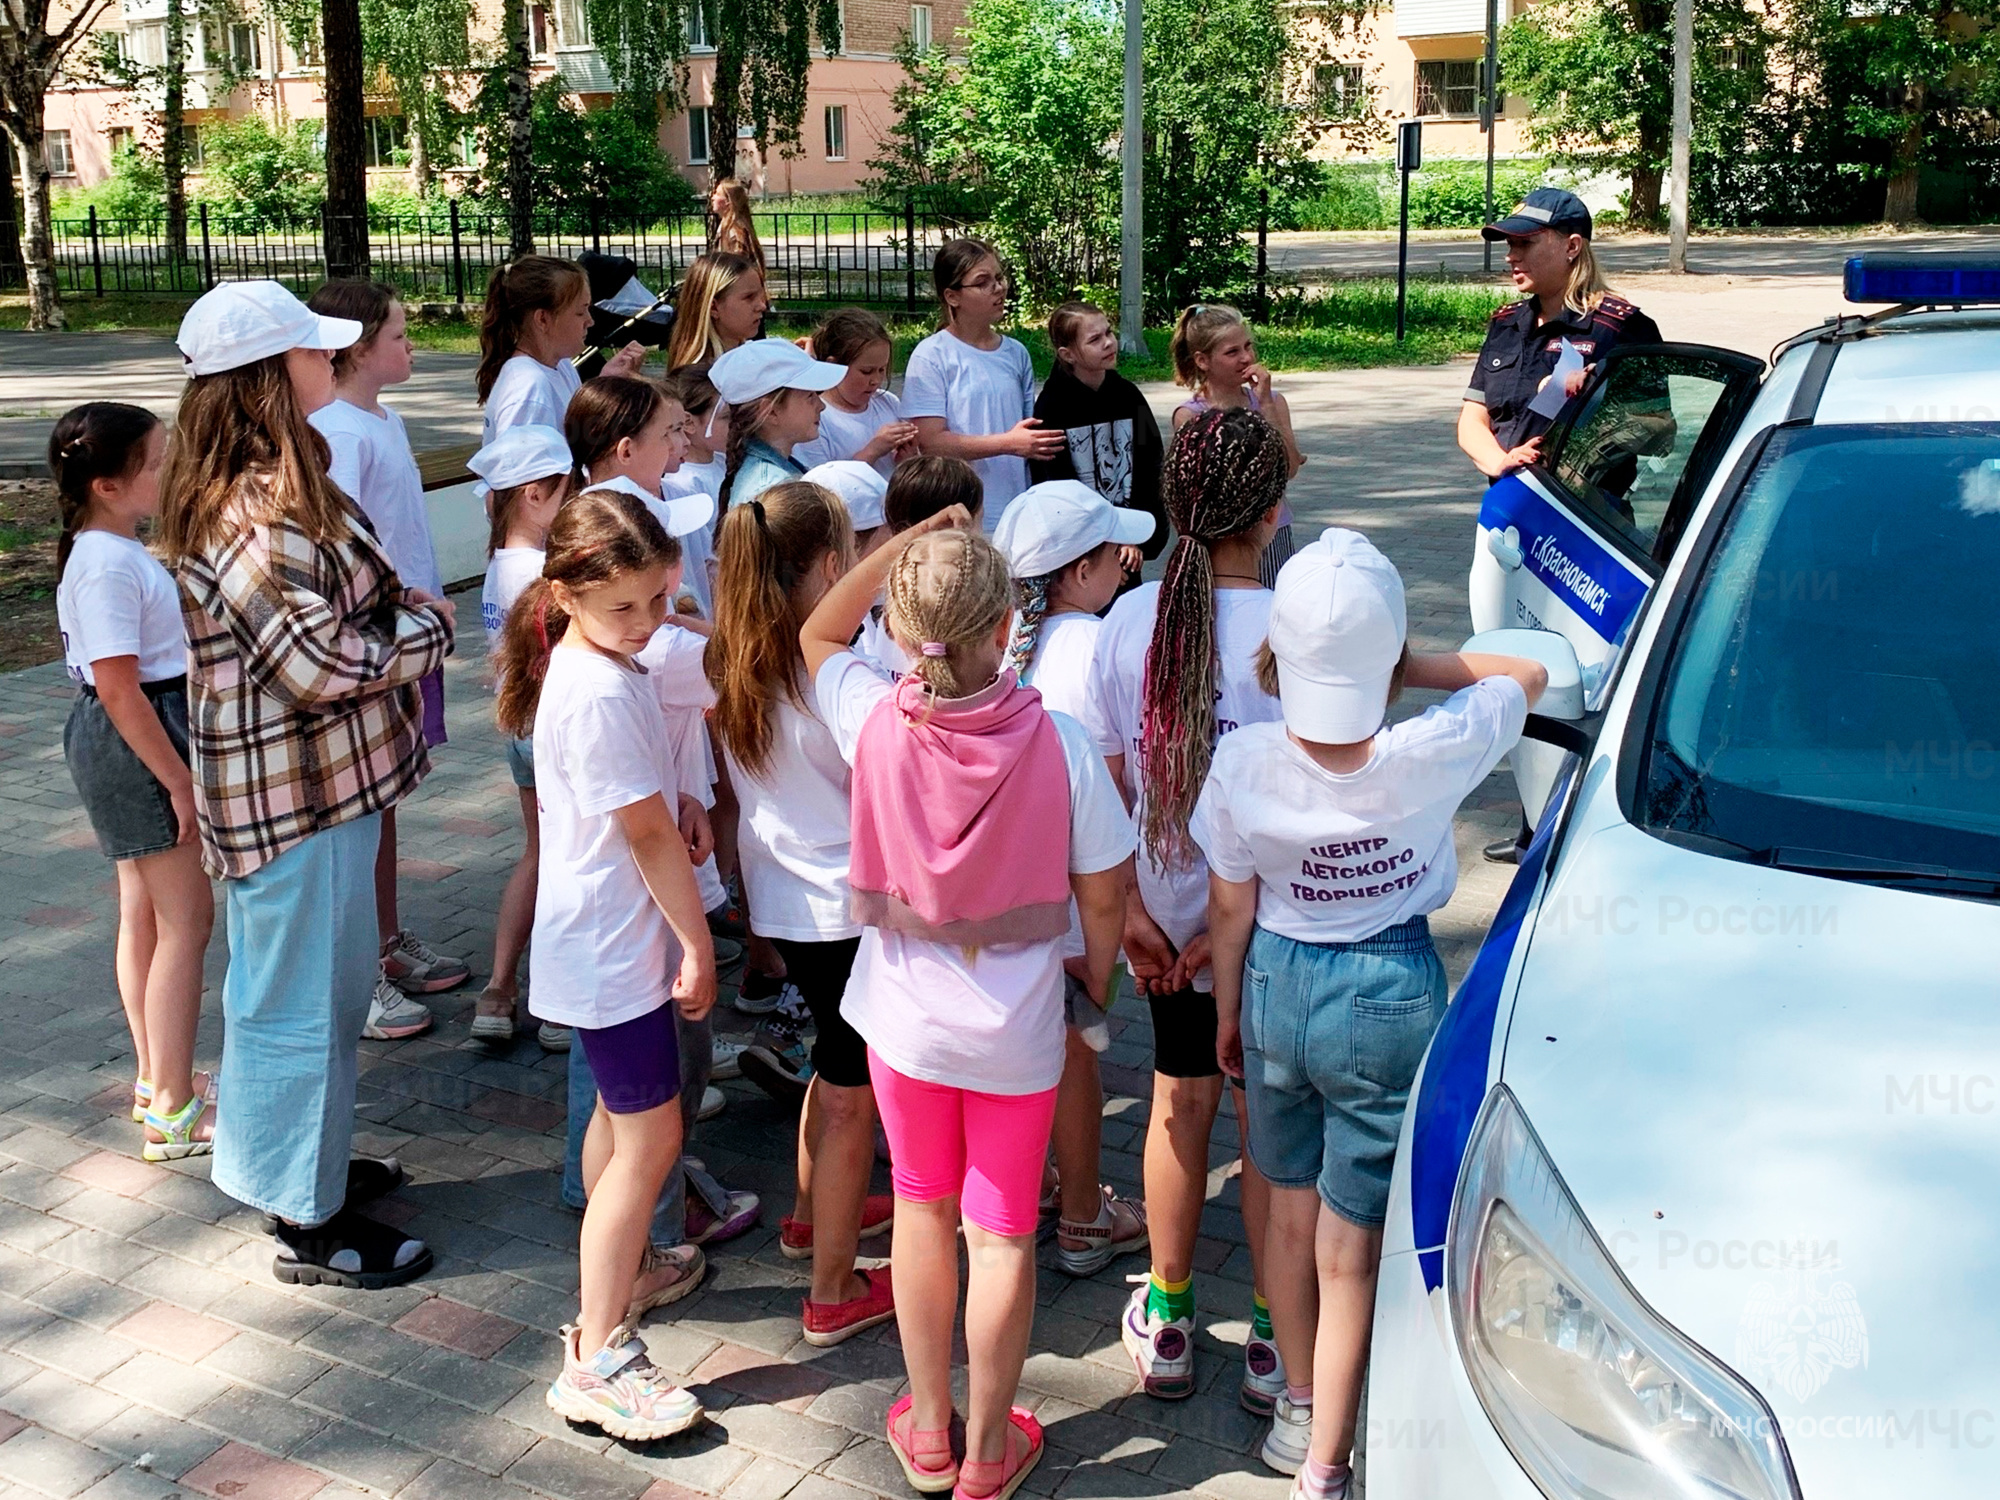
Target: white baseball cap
{"type": "Point", "coordinates": [520, 455]}
{"type": "Point", "coordinates": [766, 365]}
{"type": "Point", "coordinates": [1050, 525]}
{"type": "Point", "coordinates": [861, 488]}
{"type": "Point", "coordinates": [1338, 627]}
{"type": "Point", "coordinates": [241, 322]}
{"type": "Point", "coordinates": [680, 515]}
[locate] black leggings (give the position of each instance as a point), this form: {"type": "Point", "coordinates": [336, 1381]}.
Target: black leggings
{"type": "Point", "coordinates": [1184, 1034]}
{"type": "Point", "coordinates": [820, 971]}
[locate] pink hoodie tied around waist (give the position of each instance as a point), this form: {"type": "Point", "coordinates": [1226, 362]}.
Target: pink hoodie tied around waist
{"type": "Point", "coordinates": [961, 817]}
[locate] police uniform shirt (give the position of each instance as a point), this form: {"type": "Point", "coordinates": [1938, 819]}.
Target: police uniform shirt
{"type": "Point", "coordinates": [1519, 354]}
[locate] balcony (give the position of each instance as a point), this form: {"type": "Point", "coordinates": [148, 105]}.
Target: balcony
{"type": "Point", "coordinates": [1415, 18]}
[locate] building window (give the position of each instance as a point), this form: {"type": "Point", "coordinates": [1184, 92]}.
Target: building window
{"type": "Point", "coordinates": [147, 44]}
{"type": "Point", "coordinates": [1730, 58]}
{"type": "Point", "coordinates": [120, 139]}
{"type": "Point", "coordinates": [538, 31]}
{"type": "Point", "coordinates": [697, 135]}
{"type": "Point", "coordinates": [191, 152]}
{"type": "Point", "coordinates": [307, 50]}
{"type": "Point", "coordinates": [836, 132]}
{"type": "Point", "coordinates": [1448, 88]}
{"type": "Point", "coordinates": [920, 27]}
{"type": "Point", "coordinates": [573, 23]}
{"type": "Point", "coordinates": [388, 140]}
{"type": "Point", "coordinates": [1343, 95]}
{"type": "Point", "coordinates": [246, 49]}
{"type": "Point", "coordinates": [697, 30]}
{"type": "Point", "coordinates": [55, 145]}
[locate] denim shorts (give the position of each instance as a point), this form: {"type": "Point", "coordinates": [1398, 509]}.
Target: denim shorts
{"type": "Point", "coordinates": [130, 812]}
{"type": "Point", "coordinates": [521, 763]}
{"type": "Point", "coordinates": [1332, 1036]}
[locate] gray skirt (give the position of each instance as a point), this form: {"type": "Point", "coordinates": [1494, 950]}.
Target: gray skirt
{"type": "Point", "coordinates": [129, 810]}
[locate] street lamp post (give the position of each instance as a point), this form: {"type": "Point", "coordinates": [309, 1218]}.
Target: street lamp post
{"type": "Point", "coordinates": [1132, 238]}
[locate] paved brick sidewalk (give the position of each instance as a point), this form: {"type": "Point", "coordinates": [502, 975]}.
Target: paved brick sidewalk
{"type": "Point", "coordinates": [146, 1350]}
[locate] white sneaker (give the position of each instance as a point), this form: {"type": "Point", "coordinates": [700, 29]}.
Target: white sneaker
{"type": "Point", "coordinates": [393, 1015]}
{"type": "Point", "coordinates": [711, 1104]}
{"type": "Point", "coordinates": [1163, 1352]}
{"type": "Point", "coordinates": [1263, 1377]}
{"type": "Point", "coordinates": [1290, 1438]}
{"type": "Point", "coordinates": [725, 1058]}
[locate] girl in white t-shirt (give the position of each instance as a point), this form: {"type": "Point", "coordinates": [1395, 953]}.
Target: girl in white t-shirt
{"type": "Point", "coordinates": [619, 940]}
{"type": "Point", "coordinates": [861, 419]}
{"type": "Point", "coordinates": [527, 474]}
{"type": "Point", "coordinates": [780, 554]}
{"type": "Point", "coordinates": [1061, 540]}
{"type": "Point", "coordinates": [535, 324]}
{"type": "Point", "coordinates": [969, 390]}
{"type": "Point", "coordinates": [1173, 672]}
{"type": "Point", "coordinates": [702, 468]}
{"type": "Point", "coordinates": [126, 743]}
{"type": "Point", "coordinates": [1329, 841]}
{"type": "Point", "coordinates": [958, 980]}
{"type": "Point", "coordinates": [374, 467]}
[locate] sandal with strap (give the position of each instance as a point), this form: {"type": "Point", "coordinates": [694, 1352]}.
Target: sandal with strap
{"type": "Point", "coordinates": [142, 1095]}
{"type": "Point", "coordinates": [1003, 1475]}
{"type": "Point", "coordinates": [178, 1140]}
{"type": "Point", "coordinates": [927, 1458]}
{"type": "Point", "coordinates": [495, 1019]}
{"type": "Point", "coordinates": [349, 1250]}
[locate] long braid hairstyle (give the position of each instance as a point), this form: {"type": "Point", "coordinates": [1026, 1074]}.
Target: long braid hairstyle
{"type": "Point", "coordinates": [1031, 607]}
{"type": "Point", "coordinates": [1225, 470]}
{"type": "Point", "coordinates": [947, 591]}
{"type": "Point", "coordinates": [745, 422]}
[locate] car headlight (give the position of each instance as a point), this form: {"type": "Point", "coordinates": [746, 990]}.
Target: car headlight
{"type": "Point", "coordinates": [1595, 1395]}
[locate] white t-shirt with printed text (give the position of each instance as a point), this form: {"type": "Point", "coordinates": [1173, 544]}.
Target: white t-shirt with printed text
{"type": "Point", "coordinates": [115, 599]}
{"type": "Point", "coordinates": [1175, 897]}
{"type": "Point", "coordinates": [1338, 857]}
{"type": "Point", "coordinates": [509, 571]}
{"type": "Point", "coordinates": [602, 952]}
{"type": "Point", "coordinates": [374, 467]}
{"type": "Point", "coordinates": [979, 392]}
{"type": "Point", "coordinates": [1060, 671]}
{"type": "Point", "coordinates": [673, 663]}
{"type": "Point", "coordinates": [990, 1020]}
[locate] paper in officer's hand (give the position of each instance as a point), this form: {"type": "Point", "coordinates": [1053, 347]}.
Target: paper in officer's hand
{"type": "Point", "coordinates": [1551, 398]}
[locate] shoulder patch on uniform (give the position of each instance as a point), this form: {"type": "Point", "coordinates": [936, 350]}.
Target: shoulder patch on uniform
{"type": "Point", "coordinates": [1507, 310]}
{"type": "Point", "coordinates": [1614, 309]}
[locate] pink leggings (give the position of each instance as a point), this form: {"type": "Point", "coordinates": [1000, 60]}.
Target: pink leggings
{"type": "Point", "coordinates": [986, 1150]}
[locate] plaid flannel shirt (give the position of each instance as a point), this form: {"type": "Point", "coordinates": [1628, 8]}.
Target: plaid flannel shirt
{"type": "Point", "coordinates": [303, 660]}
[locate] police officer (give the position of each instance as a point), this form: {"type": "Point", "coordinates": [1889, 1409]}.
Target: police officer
{"type": "Point", "coordinates": [1549, 256]}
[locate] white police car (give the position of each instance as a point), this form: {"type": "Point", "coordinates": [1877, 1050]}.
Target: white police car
{"type": "Point", "coordinates": [1699, 1190]}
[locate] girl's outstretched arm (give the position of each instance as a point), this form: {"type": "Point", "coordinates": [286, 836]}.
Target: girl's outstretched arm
{"type": "Point", "coordinates": [839, 614]}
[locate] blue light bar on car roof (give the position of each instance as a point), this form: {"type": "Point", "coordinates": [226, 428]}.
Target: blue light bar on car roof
{"type": "Point", "coordinates": [1921, 278]}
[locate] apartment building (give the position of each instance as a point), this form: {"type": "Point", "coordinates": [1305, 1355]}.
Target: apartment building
{"type": "Point", "coordinates": [250, 68]}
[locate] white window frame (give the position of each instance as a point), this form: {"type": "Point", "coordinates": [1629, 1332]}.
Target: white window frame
{"type": "Point", "coordinates": [921, 32]}
{"type": "Point", "coordinates": [698, 39]}
{"type": "Point", "coordinates": [57, 153]}
{"type": "Point", "coordinates": [836, 132]}
{"type": "Point", "coordinates": [698, 126]}
{"type": "Point", "coordinates": [572, 24]}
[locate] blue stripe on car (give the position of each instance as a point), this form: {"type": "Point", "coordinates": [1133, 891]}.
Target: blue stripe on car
{"type": "Point", "coordinates": [1454, 1083]}
{"type": "Point", "coordinates": [1595, 583]}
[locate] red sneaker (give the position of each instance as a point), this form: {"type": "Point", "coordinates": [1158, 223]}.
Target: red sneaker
{"type": "Point", "coordinates": [830, 1323]}
{"type": "Point", "coordinates": [795, 1240]}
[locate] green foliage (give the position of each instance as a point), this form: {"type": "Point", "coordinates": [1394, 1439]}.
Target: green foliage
{"type": "Point", "coordinates": [255, 176]}
{"type": "Point", "coordinates": [644, 44]}
{"type": "Point", "coordinates": [1452, 194]}
{"type": "Point", "coordinates": [412, 44]}
{"type": "Point", "coordinates": [601, 162]}
{"type": "Point", "coordinates": [135, 190]}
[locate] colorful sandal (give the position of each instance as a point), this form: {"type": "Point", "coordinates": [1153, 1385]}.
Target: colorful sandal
{"type": "Point", "coordinates": [142, 1099]}
{"type": "Point", "coordinates": [179, 1129]}
{"type": "Point", "coordinates": [913, 1450]}
{"type": "Point", "coordinates": [1004, 1480]}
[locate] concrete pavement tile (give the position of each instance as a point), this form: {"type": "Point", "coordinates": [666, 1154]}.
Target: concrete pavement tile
{"type": "Point", "coordinates": [113, 1172]}
{"type": "Point", "coordinates": [365, 1458]}
{"type": "Point", "coordinates": [52, 1464]}
{"type": "Point", "coordinates": [1216, 1471]}
{"type": "Point", "coordinates": [783, 1434]}
{"type": "Point", "coordinates": [254, 1417]}
{"type": "Point", "coordinates": [819, 1487]}
{"type": "Point", "coordinates": [174, 1331]}
{"type": "Point", "coordinates": [477, 1383]}
{"type": "Point", "coordinates": [53, 1400]}
{"type": "Point", "coordinates": [95, 1251]}
{"type": "Point", "coordinates": [165, 1279]}
{"type": "Point", "coordinates": [445, 1480]}
{"type": "Point", "coordinates": [36, 1187]}
{"type": "Point", "coordinates": [346, 1337]}
{"type": "Point", "coordinates": [439, 1320]}
{"type": "Point", "coordinates": [265, 1363]}
{"type": "Point", "coordinates": [703, 1459]}
{"type": "Point", "coordinates": [571, 1474]}
{"type": "Point", "coordinates": [74, 1349]}
{"type": "Point", "coordinates": [530, 1409]}
{"type": "Point", "coordinates": [273, 1313]}
{"type": "Point", "coordinates": [129, 1483]}
{"type": "Point", "coordinates": [765, 1479]}
{"type": "Point", "coordinates": [85, 1299]}
{"type": "Point", "coordinates": [372, 1400]}
{"type": "Point", "coordinates": [235, 1472]}
{"type": "Point", "coordinates": [476, 1440]}
{"type": "Point", "coordinates": [168, 1445]}
{"type": "Point", "coordinates": [168, 1384]}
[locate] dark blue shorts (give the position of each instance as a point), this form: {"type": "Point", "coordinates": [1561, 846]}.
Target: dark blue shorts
{"type": "Point", "coordinates": [637, 1063]}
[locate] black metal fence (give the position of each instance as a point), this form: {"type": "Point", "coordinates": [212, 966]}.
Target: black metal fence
{"type": "Point", "coordinates": [874, 258]}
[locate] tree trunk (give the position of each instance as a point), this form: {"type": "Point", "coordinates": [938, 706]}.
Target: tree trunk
{"type": "Point", "coordinates": [520, 132]}
{"type": "Point", "coordinates": [44, 300]}
{"type": "Point", "coordinates": [727, 96]}
{"type": "Point", "coordinates": [1899, 205]}
{"type": "Point", "coordinates": [346, 140]}
{"type": "Point", "coordinates": [173, 127]}
{"type": "Point", "coordinates": [10, 219]}
{"type": "Point", "coordinates": [421, 175]}
{"type": "Point", "coordinates": [1645, 195]}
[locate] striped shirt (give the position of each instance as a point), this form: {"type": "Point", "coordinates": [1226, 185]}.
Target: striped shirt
{"type": "Point", "coordinates": [302, 684]}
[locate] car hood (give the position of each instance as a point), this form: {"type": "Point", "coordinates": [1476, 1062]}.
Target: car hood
{"type": "Point", "coordinates": [1774, 1097]}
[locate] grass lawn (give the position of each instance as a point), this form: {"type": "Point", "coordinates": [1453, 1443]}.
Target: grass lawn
{"type": "Point", "coordinates": [1346, 325]}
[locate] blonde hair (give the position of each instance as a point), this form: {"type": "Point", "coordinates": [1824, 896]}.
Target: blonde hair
{"type": "Point", "coordinates": [237, 422]}
{"type": "Point", "coordinates": [948, 590]}
{"type": "Point", "coordinates": [1198, 331]}
{"type": "Point", "coordinates": [767, 545]}
{"type": "Point", "coordinates": [709, 276]}
{"type": "Point", "coordinates": [1585, 287]}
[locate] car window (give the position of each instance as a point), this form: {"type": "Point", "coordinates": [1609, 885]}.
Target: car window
{"type": "Point", "coordinates": [1630, 439]}
{"type": "Point", "coordinates": [1833, 685]}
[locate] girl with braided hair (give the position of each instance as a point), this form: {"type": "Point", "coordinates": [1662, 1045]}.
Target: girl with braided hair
{"type": "Point", "coordinates": [958, 981]}
{"type": "Point", "coordinates": [1175, 668]}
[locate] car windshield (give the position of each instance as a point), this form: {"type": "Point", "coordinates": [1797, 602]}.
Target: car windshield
{"type": "Point", "coordinates": [1836, 684]}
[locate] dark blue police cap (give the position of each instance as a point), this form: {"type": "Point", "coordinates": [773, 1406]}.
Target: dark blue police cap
{"type": "Point", "coordinates": [1544, 208]}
